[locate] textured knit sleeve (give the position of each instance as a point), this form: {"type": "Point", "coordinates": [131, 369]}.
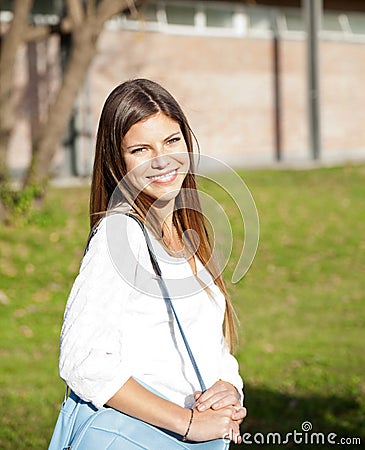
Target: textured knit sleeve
{"type": "Point", "coordinates": [91, 356]}
{"type": "Point", "coordinates": [229, 369]}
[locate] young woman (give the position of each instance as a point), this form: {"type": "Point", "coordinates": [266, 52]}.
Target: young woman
{"type": "Point", "coordinates": [118, 339]}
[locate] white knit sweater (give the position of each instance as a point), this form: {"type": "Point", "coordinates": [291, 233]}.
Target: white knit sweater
{"type": "Point", "coordinates": [116, 323]}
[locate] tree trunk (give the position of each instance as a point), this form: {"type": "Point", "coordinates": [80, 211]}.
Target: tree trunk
{"type": "Point", "coordinates": [86, 31]}
{"type": "Point", "coordinates": [51, 132]}
{"type": "Point", "coordinates": [10, 44]}
{"type": "Point", "coordinates": [85, 20]}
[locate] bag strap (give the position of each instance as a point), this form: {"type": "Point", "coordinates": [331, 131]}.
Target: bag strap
{"type": "Point", "coordinates": [166, 296]}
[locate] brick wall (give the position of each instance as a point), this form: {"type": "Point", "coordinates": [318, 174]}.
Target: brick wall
{"type": "Point", "coordinates": [225, 87]}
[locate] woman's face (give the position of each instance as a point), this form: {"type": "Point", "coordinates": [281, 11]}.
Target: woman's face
{"type": "Point", "coordinates": [156, 156]}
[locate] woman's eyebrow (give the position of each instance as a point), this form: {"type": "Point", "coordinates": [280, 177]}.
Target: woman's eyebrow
{"type": "Point", "coordinates": [172, 135]}
{"type": "Point", "coordinates": [146, 145]}
{"type": "Point", "coordinates": [136, 145]}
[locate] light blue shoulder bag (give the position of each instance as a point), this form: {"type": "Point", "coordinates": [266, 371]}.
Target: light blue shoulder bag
{"type": "Point", "coordinates": [81, 426]}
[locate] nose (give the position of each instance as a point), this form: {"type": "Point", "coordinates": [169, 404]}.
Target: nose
{"type": "Point", "coordinates": [160, 162]}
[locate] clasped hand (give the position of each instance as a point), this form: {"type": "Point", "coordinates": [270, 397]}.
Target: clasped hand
{"type": "Point", "coordinates": [218, 413]}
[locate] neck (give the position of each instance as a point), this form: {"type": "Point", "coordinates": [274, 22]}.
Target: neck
{"type": "Point", "coordinates": [164, 213]}
{"type": "Point", "coordinates": [170, 235]}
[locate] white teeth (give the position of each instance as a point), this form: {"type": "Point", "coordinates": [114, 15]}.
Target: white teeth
{"type": "Point", "coordinates": [166, 176]}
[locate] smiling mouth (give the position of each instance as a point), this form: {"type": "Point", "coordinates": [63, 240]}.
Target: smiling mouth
{"type": "Point", "coordinates": [164, 178]}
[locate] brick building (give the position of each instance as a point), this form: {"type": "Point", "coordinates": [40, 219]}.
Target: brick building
{"type": "Point", "coordinates": [218, 59]}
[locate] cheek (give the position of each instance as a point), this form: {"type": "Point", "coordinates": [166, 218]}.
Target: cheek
{"type": "Point", "coordinates": [136, 173]}
{"type": "Point", "coordinates": [185, 160]}
{"type": "Point", "coordinates": [134, 166]}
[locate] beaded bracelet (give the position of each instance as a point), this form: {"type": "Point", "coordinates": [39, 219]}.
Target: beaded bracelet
{"type": "Point", "coordinates": [185, 437]}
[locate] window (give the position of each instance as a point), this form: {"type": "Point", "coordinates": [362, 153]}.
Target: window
{"type": "Point", "coordinates": [294, 20]}
{"type": "Point", "coordinates": [357, 22]}
{"type": "Point", "coordinates": [234, 19]}
{"type": "Point", "coordinates": [260, 20]}
{"type": "Point", "coordinates": [330, 22]}
{"type": "Point", "coordinates": [180, 15]}
{"type": "Point", "coordinates": [220, 18]}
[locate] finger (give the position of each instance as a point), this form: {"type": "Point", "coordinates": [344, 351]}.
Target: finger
{"type": "Point", "coordinates": [206, 399]}
{"type": "Point", "coordinates": [204, 404]}
{"type": "Point", "coordinates": [238, 439]}
{"type": "Point", "coordinates": [239, 421]}
{"type": "Point", "coordinates": [218, 386]}
{"type": "Point", "coordinates": [239, 414]}
{"type": "Point", "coordinates": [235, 435]}
{"type": "Point", "coordinates": [221, 394]}
{"type": "Point", "coordinates": [229, 390]}
{"type": "Point", "coordinates": [224, 400]}
{"type": "Point", "coordinates": [197, 394]}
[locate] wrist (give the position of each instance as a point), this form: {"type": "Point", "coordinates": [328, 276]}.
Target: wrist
{"type": "Point", "coordinates": [186, 435]}
{"type": "Point", "coordinates": [182, 422]}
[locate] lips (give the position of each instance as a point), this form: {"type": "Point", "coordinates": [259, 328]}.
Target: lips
{"type": "Point", "coordinates": [166, 177]}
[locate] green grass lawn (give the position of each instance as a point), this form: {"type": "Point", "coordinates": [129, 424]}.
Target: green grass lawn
{"type": "Point", "coordinates": [301, 307]}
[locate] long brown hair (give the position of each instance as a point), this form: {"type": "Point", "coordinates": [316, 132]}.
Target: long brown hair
{"type": "Point", "coordinates": [129, 103]}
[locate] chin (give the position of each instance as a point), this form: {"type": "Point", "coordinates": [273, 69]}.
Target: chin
{"type": "Point", "coordinates": [164, 196]}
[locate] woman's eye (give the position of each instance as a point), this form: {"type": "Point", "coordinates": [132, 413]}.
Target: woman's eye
{"type": "Point", "coordinates": [173, 140]}
{"type": "Point", "coordinates": [138, 150]}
